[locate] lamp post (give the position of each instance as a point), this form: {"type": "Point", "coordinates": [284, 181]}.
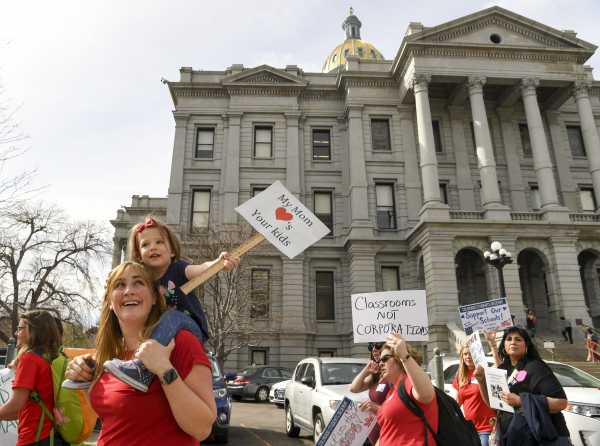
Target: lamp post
{"type": "Point", "coordinates": [498, 257]}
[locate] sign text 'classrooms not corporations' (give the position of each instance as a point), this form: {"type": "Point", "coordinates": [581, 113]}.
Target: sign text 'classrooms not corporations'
{"type": "Point", "coordinates": [491, 315]}
{"type": "Point", "coordinates": [284, 221]}
{"type": "Point", "coordinates": [375, 315]}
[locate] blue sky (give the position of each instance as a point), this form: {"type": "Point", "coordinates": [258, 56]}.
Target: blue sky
{"type": "Point", "coordinates": [86, 74]}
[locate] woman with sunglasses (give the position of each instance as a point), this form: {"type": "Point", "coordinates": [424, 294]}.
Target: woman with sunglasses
{"type": "Point", "coordinates": [401, 366]}
{"type": "Point", "coordinates": [369, 379]}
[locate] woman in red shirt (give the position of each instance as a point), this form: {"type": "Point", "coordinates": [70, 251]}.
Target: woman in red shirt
{"type": "Point", "coordinates": [37, 335]}
{"type": "Point", "coordinates": [469, 397]}
{"type": "Point", "coordinates": [179, 407]}
{"type": "Point", "coordinates": [400, 366]}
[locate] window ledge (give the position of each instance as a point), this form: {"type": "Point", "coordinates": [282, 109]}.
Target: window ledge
{"type": "Point", "coordinates": [322, 161]}
{"type": "Point", "coordinates": [325, 321]}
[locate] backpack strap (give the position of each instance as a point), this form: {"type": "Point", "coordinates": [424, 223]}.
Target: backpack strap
{"type": "Point", "coordinates": [34, 396]}
{"type": "Point", "coordinates": [416, 410]}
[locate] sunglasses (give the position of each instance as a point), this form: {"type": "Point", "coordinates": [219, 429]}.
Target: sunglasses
{"type": "Point", "coordinates": [375, 345]}
{"type": "Point", "coordinates": [384, 358]}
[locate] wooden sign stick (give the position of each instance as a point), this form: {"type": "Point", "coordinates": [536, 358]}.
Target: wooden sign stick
{"type": "Point", "coordinates": [253, 241]}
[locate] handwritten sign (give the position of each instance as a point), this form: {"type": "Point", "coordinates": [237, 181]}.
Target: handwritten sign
{"type": "Point", "coordinates": [491, 315]}
{"type": "Point", "coordinates": [476, 350]}
{"type": "Point", "coordinates": [375, 315]}
{"type": "Point", "coordinates": [283, 220]}
{"type": "Point", "coordinates": [8, 428]}
{"type": "Point", "coordinates": [496, 382]}
{"type": "Point", "coordinates": [349, 426]}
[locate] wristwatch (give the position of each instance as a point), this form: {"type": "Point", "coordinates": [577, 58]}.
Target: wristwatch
{"type": "Point", "coordinates": [169, 376]}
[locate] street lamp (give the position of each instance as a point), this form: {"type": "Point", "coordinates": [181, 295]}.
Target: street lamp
{"type": "Point", "coordinates": [498, 257]}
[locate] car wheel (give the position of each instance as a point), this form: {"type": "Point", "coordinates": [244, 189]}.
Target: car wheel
{"type": "Point", "coordinates": [318, 426]}
{"type": "Point", "coordinates": [262, 394]}
{"type": "Point", "coordinates": [290, 429]}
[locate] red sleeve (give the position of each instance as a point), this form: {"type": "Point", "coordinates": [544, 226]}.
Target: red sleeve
{"type": "Point", "coordinates": [188, 352]}
{"type": "Point", "coordinates": [26, 373]}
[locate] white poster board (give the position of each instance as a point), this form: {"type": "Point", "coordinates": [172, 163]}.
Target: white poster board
{"type": "Point", "coordinates": [284, 221]}
{"type": "Point", "coordinates": [375, 315]}
{"type": "Point", "coordinates": [476, 350]}
{"type": "Point", "coordinates": [349, 426]}
{"type": "Point", "coordinates": [8, 429]}
{"type": "Point", "coordinates": [496, 382]}
{"type": "Point", "coordinates": [491, 315]}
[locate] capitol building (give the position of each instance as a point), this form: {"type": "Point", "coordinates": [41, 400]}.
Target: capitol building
{"type": "Point", "coordinates": [480, 129]}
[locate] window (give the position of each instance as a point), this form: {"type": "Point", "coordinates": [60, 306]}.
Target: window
{"type": "Point", "coordinates": [263, 142]}
{"type": "Point", "coordinates": [588, 200]}
{"type": "Point", "coordinates": [259, 307]}
{"type": "Point", "coordinates": [386, 211]}
{"type": "Point", "coordinates": [310, 372]}
{"type": "Point", "coordinates": [390, 278]}
{"type": "Point", "coordinates": [205, 143]}
{"type": "Point", "coordinates": [444, 192]}
{"type": "Point", "coordinates": [525, 140]}
{"type": "Point", "coordinates": [536, 201]}
{"type": "Point", "coordinates": [325, 297]}
{"type": "Point", "coordinates": [200, 209]}
{"type": "Point", "coordinates": [576, 140]}
{"type": "Point", "coordinates": [258, 357]}
{"type": "Point", "coordinates": [437, 136]}
{"type": "Point", "coordinates": [326, 353]}
{"type": "Point", "coordinates": [380, 134]}
{"type": "Point", "coordinates": [360, 52]}
{"type": "Point", "coordinates": [299, 372]}
{"type": "Point", "coordinates": [323, 209]}
{"type": "Point", "coordinates": [270, 373]}
{"type": "Point", "coordinates": [257, 190]}
{"type": "Point", "coordinates": [285, 373]}
{"type": "Point", "coordinates": [321, 144]}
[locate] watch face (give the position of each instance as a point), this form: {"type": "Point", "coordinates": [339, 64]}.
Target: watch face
{"type": "Point", "coordinates": [170, 376]}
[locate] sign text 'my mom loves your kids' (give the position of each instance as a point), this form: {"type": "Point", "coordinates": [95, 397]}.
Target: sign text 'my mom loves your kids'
{"type": "Point", "coordinates": [284, 221]}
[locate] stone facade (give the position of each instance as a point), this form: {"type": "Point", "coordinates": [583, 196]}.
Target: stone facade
{"type": "Point", "coordinates": [483, 116]}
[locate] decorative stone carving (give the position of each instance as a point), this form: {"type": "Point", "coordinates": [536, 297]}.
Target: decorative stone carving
{"type": "Point", "coordinates": [476, 83]}
{"type": "Point", "coordinates": [419, 81]}
{"type": "Point", "coordinates": [581, 88]}
{"type": "Point", "coordinates": [263, 78]}
{"type": "Point", "coordinates": [528, 85]}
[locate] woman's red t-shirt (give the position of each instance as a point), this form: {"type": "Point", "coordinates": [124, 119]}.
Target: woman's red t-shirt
{"type": "Point", "coordinates": [133, 418]}
{"type": "Point", "coordinates": [473, 405]}
{"type": "Point", "coordinates": [399, 426]}
{"type": "Point", "coordinates": [33, 373]}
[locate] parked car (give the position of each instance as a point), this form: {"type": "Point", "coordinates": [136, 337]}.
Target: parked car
{"type": "Point", "coordinates": [256, 381]}
{"type": "Point", "coordinates": [583, 393]}
{"type": "Point", "coordinates": [277, 393]}
{"type": "Point", "coordinates": [220, 430]}
{"type": "Point", "coordinates": [316, 390]}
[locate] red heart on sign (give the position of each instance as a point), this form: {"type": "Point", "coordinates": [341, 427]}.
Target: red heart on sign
{"type": "Point", "coordinates": [282, 214]}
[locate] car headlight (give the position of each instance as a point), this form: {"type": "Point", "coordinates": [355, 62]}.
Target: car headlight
{"type": "Point", "coordinates": [334, 404]}
{"type": "Point", "coordinates": [219, 393]}
{"type": "Point", "coordinates": [587, 410]}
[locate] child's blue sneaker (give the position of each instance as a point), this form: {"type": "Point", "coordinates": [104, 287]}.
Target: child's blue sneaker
{"type": "Point", "coordinates": [131, 372]}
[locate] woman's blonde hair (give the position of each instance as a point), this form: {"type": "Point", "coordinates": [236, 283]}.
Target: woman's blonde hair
{"type": "Point", "coordinates": [109, 341]}
{"type": "Point", "coordinates": [463, 370]}
{"type": "Point", "coordinates": [133, 248]}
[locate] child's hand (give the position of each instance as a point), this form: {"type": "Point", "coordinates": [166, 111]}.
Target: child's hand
{"type": "Point", "coordinates": [230, 261]}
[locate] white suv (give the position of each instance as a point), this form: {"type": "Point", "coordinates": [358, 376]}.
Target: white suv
{"type": "Point", "coordinates": [315, 391]}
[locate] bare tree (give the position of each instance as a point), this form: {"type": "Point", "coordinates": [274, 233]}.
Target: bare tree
{"type": "Point", "coordinates": [238, 311]}
{"type": "Point", "coordinates": [45, 263]}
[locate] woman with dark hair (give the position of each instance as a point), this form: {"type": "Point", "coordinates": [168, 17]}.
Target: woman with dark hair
{"type": "Point", "coordinates": [527, 374]}
{"type": "Point", "coordinates": [38, 337]}
{"type": "Point", "coordinates": [369, 379]}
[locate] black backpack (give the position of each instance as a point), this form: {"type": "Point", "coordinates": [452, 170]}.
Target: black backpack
{"type": "Point", "coordinates": [453, 429]}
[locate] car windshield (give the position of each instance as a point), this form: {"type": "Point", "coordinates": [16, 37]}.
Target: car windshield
{"type": "Point", "coordinates": [216, 371]}
{"type": "Point", "coordinates": [334, 373]}
{"type": "Point", "coordinates": [248, 371]}
{"type": "Point", "coordinates": [572, 377]}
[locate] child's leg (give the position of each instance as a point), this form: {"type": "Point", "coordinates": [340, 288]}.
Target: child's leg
{"type": "Point", "coordinates": [171, 322]}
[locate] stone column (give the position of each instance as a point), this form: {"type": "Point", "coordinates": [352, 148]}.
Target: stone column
{"type": "Point", "coordinates": [176, 191]}
{"type": "Point", "coordinates": [490, 192]}
{"type": "Point", "coordinates": [231, 172]}
{"type": "Point", "coordinates": [513, 163]}
{"type": "Point", "coordinates": [464, 182]}
{"type": "Point", "coordinates": [293, 162]}
{"type": "Point", "coordinates": [589, 131]}
{"type": "Point", "coordinates": [361, 226]}
{"type": "Point", "coordinates": [293, 305]}
{"type": "Point", "coordinates": [567, 186]}
{"type": "Point", "coordinates": [542, 163]}
{"type": "Point", "coordinates": [432, 207]}
{"type": "Point", "coordinates": [117, 254]}
{"type": "Point", "coordinates": [412, 182]}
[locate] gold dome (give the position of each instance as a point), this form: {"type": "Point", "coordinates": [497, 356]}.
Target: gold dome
{"type": "Point", "coordinates": [352, 46]}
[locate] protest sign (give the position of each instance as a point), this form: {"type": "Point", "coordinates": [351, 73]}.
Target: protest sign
{"type": "Point", "coordinates": [375, 315]}
{"type": "Point", "coordinates": [476, 350]}
{"type": "Point", "coordinates": [349, 426]}
{"type": "Point", "coordinates": [491, 315]}
{"type": "Point", "coordinates": [8, 428]}
{"type": "Point", "coordinates": [283, 220]}
{"type": "Point", "coordinates": [496, 383]}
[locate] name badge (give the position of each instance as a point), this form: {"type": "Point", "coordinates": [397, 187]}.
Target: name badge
{"type": "Point", "coordinates": [380, 387]}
